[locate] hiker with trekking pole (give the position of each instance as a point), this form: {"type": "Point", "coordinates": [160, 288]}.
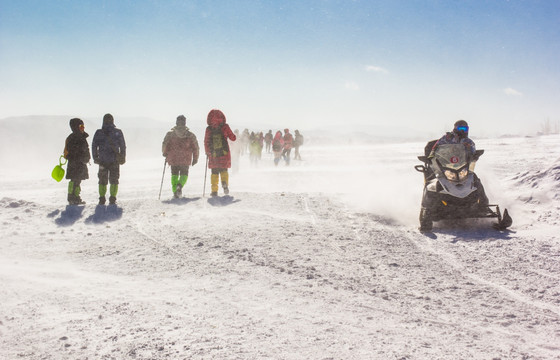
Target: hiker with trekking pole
{"type": "Point", "coordinates": [217, 150]}
{"type": "Point", "coordinates": [180, 149]}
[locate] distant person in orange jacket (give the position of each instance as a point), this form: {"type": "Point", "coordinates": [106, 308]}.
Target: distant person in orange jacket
{"type": "Point", "coordinates": [217, 150]}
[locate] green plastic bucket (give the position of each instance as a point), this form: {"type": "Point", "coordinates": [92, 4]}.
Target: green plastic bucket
{"type": "Point", "coordinates": [58, 171]}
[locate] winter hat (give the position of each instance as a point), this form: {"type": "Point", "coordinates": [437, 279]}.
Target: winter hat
{"type": "Point", "coordinates": [108, 119]}
{"type": "Point", "coordinates": [75, 124]}
{"type": "Point", "coordinates": [181, 120]}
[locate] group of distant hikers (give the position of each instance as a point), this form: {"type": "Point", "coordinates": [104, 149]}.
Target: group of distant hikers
{"type": "Point", "coordinates": [280, 145]}
{"type": "Point", "coordinates": [180, 149]}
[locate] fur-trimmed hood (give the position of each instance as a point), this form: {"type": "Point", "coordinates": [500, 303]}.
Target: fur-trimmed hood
{"type": "Point", "coordinates": [216, 118]}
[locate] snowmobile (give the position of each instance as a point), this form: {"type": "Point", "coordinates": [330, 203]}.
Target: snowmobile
{"type": "Point", "coordinates": [451, 188]}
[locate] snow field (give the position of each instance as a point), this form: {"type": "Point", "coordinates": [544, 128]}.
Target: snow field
{"type": "Point", "coordinates": [317, 260]}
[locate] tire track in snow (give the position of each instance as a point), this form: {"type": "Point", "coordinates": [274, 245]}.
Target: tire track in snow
{"type": "Point", "coordinates": [455, 263]}
{"type": "Point", "coordinates": [308, 211]}
{"type": "Point", "coordinates": [138, 228]}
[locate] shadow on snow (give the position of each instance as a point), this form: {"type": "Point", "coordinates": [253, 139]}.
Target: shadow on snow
{"type": "Point", "coordinates": [68, 216]}
{"type": "Point", "coordinates": [469, 230]}
{"type": "Point", "coordinates": [104, 214]}
{"type": "Point", "coordinates": [222, 200]}
{"type": "Point", "coordinates": [180, 201]}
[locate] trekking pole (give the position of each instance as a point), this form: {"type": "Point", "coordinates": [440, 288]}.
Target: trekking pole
{"type": "Point", "coordinates": [205, 173]}
{"type": "Point", "coordinates": [162, 176]}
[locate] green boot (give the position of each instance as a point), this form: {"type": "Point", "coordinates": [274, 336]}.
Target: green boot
{"type": "Point", "coordinates": [102, 193]}
{"type": "Point", "coordinates": [113, 190]}
{"type": "Point", "coordinates": [74, 194]}
{"type": "Point", "coordinates": [176, 186]}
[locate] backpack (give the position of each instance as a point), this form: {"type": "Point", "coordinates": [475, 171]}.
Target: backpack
{"type": "Point", "coordinates": [218, 143]}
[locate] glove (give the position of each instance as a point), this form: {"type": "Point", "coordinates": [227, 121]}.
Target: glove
{"type": "Point", "coordinates": [96, 161]}
{"type": "Point", "coordinates": [164, 155]}
{"type": "Point", "coordinates": [194, 162]}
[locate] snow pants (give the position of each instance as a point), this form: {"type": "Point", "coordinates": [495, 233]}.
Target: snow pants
{"type": "Point", "coordinates": [215, 179]}
{"type": "Point", "coordinates": [109, 174]}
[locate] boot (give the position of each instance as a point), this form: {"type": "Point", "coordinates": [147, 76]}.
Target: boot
{"type": "Point", "coordinates": [75, 200]}
{"type": "Point", "coordinates": [74, 194]}
{"type": "Point", "coordinates": [178, 192]}
{"type": "Point", "coordinates": [112, 200]}
{"type": "Point", "coordinates": [102, 193]}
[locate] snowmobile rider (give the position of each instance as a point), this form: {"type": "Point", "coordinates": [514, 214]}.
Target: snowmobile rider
{"type": "Point", "coordinates": [460, 135]}
{"type": "Point", "coordinates": [181, 150]}
{"type": "Point", "coordinates": [109, 152]}
{"type": "Point", "coordinates": [76, 150]}
{"type": "Point", "coordinates": [217, 149]}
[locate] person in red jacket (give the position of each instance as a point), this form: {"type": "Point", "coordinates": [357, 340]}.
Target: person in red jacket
{"type": "Point", "coordinates": [217, 150]}
{"type": "Point", "coordinates": [288, 144]}
{"type": "Point", "coordinates": [277, 146]}
{"type": "Point", "coordinates": [180, 148]}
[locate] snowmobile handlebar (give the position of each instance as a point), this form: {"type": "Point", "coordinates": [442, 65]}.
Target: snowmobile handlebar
{"type": "Point", "coordinates": [477, 154]}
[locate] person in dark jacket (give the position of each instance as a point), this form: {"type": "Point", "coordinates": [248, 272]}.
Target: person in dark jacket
{"type": "Point", "coordinates": [109, 152]}
{"type": "Point", "coordinates": [217, 149]}
{"type": "Point", "coordinates": [268, 140]}
{"type": "Point", "coordinates": [298, 141]}
{"type": "Point", "coordinates": [76, 151]}
{"type": "Point", "coordinates": [181, 150]}
{"type": "Point", "coordinates": [459, 135]}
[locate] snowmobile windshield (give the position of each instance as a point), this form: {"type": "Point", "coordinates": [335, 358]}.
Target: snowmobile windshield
{"type": "Point", "coordinates": [452, 156]}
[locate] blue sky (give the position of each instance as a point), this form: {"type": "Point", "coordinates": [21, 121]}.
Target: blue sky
{"type": "Point", "coordinates": [379, 65]}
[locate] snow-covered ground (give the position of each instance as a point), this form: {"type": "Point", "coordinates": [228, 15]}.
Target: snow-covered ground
{"type": "Point", "coordinates": [318, 260]}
